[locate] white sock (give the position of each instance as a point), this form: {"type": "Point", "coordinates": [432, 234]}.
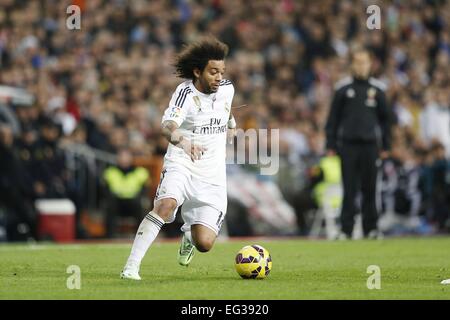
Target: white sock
{"type": "Point", "coordinates": [146, 234]}
{"type": "Point", "coordinates": [188, 235]}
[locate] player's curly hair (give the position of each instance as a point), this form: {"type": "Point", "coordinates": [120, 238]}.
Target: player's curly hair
{"type": "Point", "coordinates": [197, 55]}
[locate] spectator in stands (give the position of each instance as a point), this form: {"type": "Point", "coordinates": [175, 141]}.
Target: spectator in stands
{"type": "Point", "coordinates": [126, 184]}
{"type": "Point", "coordinates": [25, 147]}
{"type": "Point", "coordinates": [401, 196]}
{"type": "Point", "coordinates": [50, 173]}
{"type": "Point", "coordinates": [440, 173]}
{"type": "Point", "coordinates": [14, 192]}
{"type": "Point", "coordinates": [435, 119]}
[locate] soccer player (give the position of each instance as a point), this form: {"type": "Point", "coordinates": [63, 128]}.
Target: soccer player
{"type": "Point", "coordinates": [196, 125]}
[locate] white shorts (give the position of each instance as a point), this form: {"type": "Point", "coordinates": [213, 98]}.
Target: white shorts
{"type": "Point", "coordinates": [202, 203]}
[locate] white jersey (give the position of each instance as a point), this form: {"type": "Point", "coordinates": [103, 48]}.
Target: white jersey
{"type": "Point", "coordinates": [202, 118]}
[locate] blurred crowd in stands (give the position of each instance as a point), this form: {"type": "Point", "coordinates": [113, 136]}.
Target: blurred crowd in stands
{"type": "Point", "coordinates": [105, 88]}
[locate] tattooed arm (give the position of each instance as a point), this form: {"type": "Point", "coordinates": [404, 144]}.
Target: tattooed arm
{"type": "Point", "coordinates": [171, 133]}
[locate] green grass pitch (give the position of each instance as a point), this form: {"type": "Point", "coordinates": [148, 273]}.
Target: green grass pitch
{"type": "Point", "coordinates": [411, 268]}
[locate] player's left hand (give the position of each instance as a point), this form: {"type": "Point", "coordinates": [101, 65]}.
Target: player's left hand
{"type": "Point", "coordinates": [231, 133]}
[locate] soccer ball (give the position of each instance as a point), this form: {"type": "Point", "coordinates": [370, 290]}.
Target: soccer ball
{"type": "Point", "coordinates": [253, 262]}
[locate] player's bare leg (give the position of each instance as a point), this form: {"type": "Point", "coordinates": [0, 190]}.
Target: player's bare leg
{"type": "Point", "coordinates": [146, 234]}
{"type": "Point", "coordinates": [203, 237]}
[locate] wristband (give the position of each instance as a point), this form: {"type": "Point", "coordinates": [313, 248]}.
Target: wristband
{"type": "Point", "coordinates": [231, 123]}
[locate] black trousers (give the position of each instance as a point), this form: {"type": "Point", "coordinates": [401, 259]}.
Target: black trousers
{"type": "Point", "coordinates": [19, 210]}
{"type": "Point", "coordinates": [359, 173]}
{"type": "Point", "coordinates": [118, 207]}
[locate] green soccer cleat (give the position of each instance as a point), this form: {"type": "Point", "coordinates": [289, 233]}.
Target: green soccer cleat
{"type": "Point", "coordinates": [186, 252]}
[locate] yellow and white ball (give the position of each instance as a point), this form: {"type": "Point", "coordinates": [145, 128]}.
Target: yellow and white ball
{"type": "Point", "coordinates": [253, 262]}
